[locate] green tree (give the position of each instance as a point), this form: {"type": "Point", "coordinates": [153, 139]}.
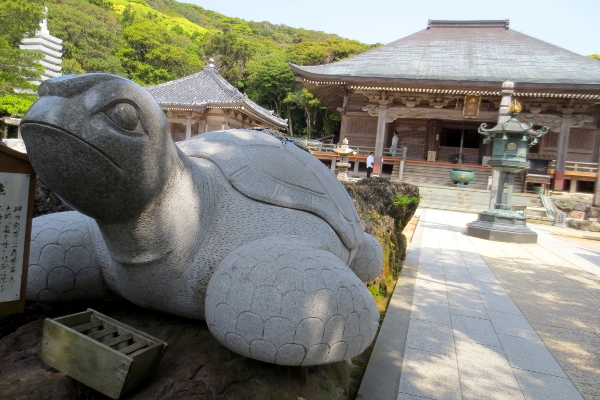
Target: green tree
{"type": "Point", "coordinates": [18, 19]}
{"type": "Point", "coordinates": [16, 104]}
{"type": "Point", "coordinates": [325, 52]}
{"type": "Point", "coordinates": [269, 80]}
{"type": "Point", "coordinates": [231, 53]}
{"type": "Point", "coordinates": [91, 35]}
{"type": "Point", "coordinates": [311, 106]}
{"type": "Point", "coordinates": [154, 53]}
{"type": "Point", "coordinates": [594, 56]}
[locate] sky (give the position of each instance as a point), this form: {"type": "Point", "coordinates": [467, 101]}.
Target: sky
{"type": "Point", "coordinates": [570, 24]}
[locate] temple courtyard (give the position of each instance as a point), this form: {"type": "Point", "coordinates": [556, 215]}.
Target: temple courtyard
{"type": "Point", "coordinates": [478, 319]}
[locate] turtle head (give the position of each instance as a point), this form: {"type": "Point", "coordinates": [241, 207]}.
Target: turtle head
{"type": "Point", "coordinates": [101, 143]}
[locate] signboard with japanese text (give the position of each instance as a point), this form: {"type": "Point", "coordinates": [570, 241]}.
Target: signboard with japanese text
{"type": "Point", "coordinates": [471, 107]}
{"type": "Point", "coordinates": [17, 188]}
{"type": "Point", "coordinates": [14, 196]}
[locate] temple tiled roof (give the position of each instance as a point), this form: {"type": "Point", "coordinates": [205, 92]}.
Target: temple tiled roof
{"type": "Point", "coordinates": [207, 89]}
{"type": "Point", "coordinates": [465, 52]}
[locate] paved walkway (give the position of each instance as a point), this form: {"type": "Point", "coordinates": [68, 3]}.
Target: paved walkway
{"type": "Point", "coordinates": [475, 319]}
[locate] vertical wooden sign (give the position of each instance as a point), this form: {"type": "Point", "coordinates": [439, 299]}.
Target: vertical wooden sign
{"type": "Point", "coordinates": [17, 188]}
{"type": "Point", "coordinates": [471, 107]}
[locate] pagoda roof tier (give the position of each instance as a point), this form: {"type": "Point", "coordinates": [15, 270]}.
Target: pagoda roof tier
{"type": "Point", "coordinates": [462, 54]}
{"type": "Point", "coordinates": [207, 89]}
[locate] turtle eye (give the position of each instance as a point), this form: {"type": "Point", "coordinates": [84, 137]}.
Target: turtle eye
{"type": "Point", "coordinates": [124, 115]}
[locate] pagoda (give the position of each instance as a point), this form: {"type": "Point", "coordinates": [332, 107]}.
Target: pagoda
{"type": "Point", "coordinates": [49, 46]}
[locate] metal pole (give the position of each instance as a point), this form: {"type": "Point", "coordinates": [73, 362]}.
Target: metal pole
{"type": "Point", "coordinates": [596, 199]}
{"type": "Point", "coordinates": [462, 134]}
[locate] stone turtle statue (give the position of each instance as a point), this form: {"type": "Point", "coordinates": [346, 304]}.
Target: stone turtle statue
{"type": "Point", "coordinates": [238, 227]}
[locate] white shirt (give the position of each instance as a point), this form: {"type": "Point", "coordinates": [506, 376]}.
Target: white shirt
{"type": "Point", "coordinates": [370, 161]}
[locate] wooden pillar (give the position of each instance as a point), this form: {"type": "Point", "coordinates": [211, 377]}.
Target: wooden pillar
{"type": "Point", "coordinates": [561, 151]}
{"type": "Point", "coordinates": [344, 127]}
{"type": "Point", "coordinates": [573, 186]}
{"type": "Point", "coordinates": [188, 127]}
{"type": "Point", "coordinates": [432, 136]}
{"type": "Point", "coordinates": [596, 199]}
{"type": "Point", "coordinates": [380, 139]}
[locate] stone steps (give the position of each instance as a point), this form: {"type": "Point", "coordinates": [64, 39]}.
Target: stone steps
{"type": "Point", "coordinates": [439, 174]}
{"type": "Point", "coordinates": [470, 200]}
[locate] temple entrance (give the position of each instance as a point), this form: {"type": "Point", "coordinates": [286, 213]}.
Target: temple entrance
{"type": "Point", "coordinates": [421, 137]}
{"type": "Point", "coordinates": [455, 141]}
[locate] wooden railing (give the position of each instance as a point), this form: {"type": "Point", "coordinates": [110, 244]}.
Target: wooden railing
{"type": "Point", "coordinates": [360, 150]}
{"type": "Point", "coordinates": [576, 166]}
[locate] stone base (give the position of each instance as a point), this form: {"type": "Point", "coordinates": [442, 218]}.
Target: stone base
{"type": "Point", "coordinates": [501, 232]}
{"type": "Point", "coordinates": [501, 226]}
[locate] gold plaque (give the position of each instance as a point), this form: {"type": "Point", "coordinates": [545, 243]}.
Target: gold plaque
{"type": "Point", "coordinates": [512, 146]}
{"type": "Point", "coordinates": [471, 107]}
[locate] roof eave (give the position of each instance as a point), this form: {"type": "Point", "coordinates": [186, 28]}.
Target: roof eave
{"type": "Point", "coordinates": [239, 105]}
{"type": "Point", "coordinates": [446, 83]}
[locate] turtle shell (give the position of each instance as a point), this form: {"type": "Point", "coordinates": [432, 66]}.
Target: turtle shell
{"type": "Point", "coordinates": [272, 170]}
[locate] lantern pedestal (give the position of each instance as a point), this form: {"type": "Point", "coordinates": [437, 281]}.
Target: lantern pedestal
{"type": "Point", "coordinates": [502, 226]}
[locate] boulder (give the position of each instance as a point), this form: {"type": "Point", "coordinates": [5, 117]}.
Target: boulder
{"type": "Point", "coordinates": [576, 214]}
{"type": "Point", "coordinates": [565, 205]}
{"type": "Point", "coordinates": [594, 227]}
{"type": "Point", "coordinates": [195, 365]}
{"type": "Point", "coordinates": [578, 224]}
{"type": "Point", "coordinates": [593, 212]}
{"type": "Point", "coordinates": [46, 202]}
{"type": "Point", "coordinates": [374, 200]}
{"type": "Point", "coordinates": [580, 206]}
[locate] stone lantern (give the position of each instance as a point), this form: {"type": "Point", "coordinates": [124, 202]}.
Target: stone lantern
{"type": "Point", "coordinates": [343, 164]}
{"type": "Point", "coordinates": [509, 156]}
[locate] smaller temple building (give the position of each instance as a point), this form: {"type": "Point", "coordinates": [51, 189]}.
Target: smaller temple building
{"type": "Point", "coordinates": [206, 102]}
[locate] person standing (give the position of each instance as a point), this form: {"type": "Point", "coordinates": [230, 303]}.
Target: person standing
{"type": "Point", "coordinates": [394, 145]}
{"type": "Point", "coordinates": [370, 163]}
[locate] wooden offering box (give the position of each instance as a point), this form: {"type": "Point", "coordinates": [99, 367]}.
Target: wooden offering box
{"type": "Point", "coordinates": [100, 352]}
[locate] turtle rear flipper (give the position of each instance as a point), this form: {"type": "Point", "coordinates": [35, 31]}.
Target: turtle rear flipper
{"type": "Point", "coordinates": [63, 264]}
{"type": "Point", "coordinates": [282, 301]}
{"type": "Point", "coordinates": [368, 261]}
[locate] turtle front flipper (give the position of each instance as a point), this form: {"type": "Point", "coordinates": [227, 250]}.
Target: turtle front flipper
{"type": "Point", "coordinates": [368, 260]}
{"type": "Point", "coordinates": [63, 264]}
{"type": "Point", "coordinates": [282, 301]}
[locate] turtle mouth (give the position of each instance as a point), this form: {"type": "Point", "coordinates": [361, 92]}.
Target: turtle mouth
{"type": "Point", "coordinates": [46, 126]}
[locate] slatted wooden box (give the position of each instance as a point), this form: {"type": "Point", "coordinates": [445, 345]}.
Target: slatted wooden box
{"type": "Point", "coordinates": [100, 352]}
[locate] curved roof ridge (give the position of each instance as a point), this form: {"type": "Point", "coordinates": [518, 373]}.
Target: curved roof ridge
{"type": "Point", "coordinates": [222, 82]}
{"type": "Point", "coordinates": [464, 52]}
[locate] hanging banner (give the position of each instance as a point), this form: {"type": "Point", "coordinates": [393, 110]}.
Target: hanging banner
{"type": "Point", "coordinates": [471, 107]}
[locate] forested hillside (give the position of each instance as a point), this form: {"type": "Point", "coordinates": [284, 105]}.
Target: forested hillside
{"type": "Point", "coordinates": [153, 41]}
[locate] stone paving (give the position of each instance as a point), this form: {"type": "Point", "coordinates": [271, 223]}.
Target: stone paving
{"type": "Point", "coordinates": [476, 319]}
